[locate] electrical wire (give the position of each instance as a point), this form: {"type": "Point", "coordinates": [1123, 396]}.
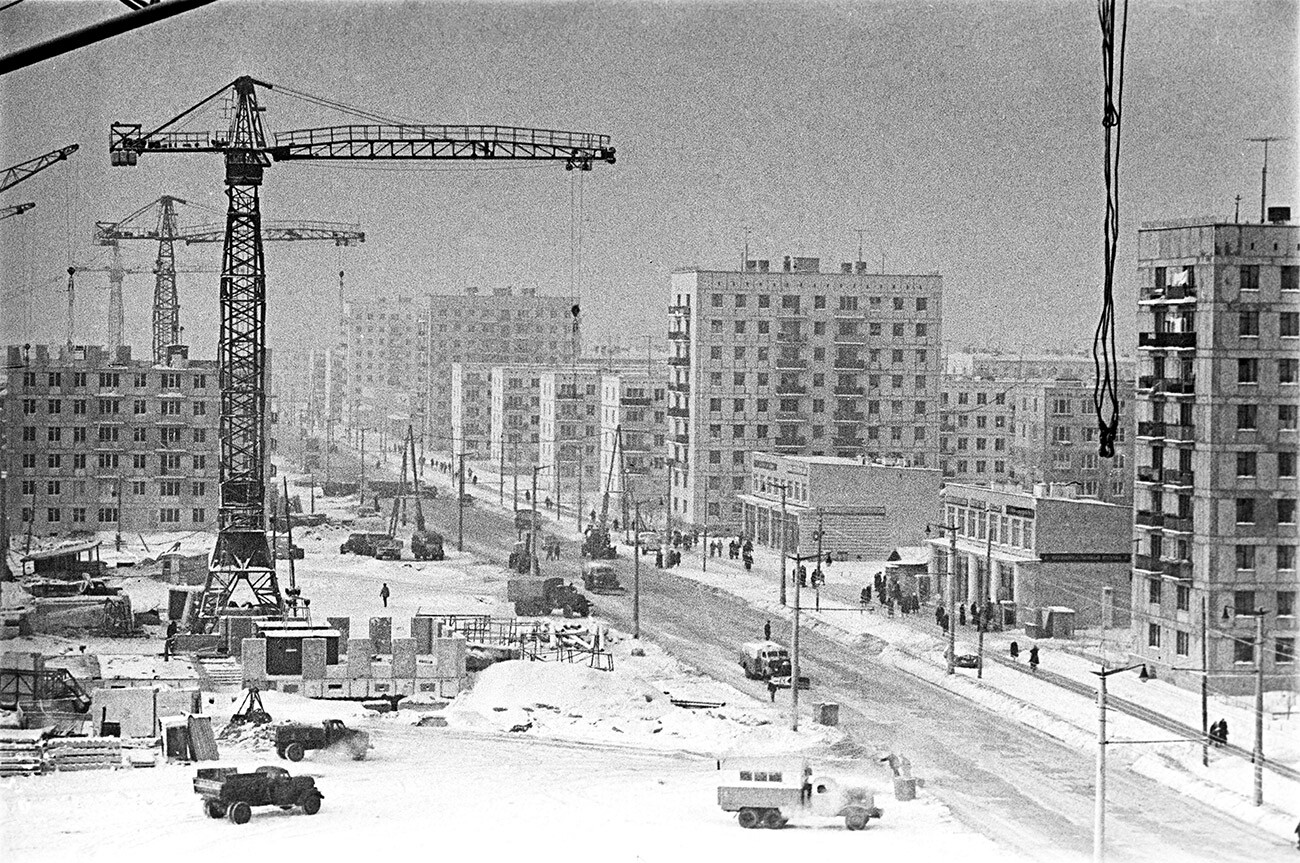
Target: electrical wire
{"type": "Point", "coordinates": [10, 5]}
{"type": "Point", "coordinates": [1105, 394]}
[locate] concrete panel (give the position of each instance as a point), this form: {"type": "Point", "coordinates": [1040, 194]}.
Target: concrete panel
{"type": "Point", "coordinates": [343, 625]}
{"type": "Point", "coordinates": [313, 688]}
{"type": "Point", "coordinates": [404, 657]}
{"type": "Point", "coordinates": [133, 708]}
{"type": "Point", "coordinates": [359, 657]}
{"type": "Point", "coordinates": [404, 686]}
{"type": "Point", "coordinates": [336, 689]}
{"type": "Point", "coordinates": [253, 659]}
{"type": "Point", "coordinates": [336, 672]}
{"type": "Point", "coordinates": [451, 656]}
{"type": "Point", "coordinates": [313, 658]}
{"type": "Point", "coordinates": [422, 630]}
{"type": "Point", "coordinates": [238, 628]}
{"type": "Point", "coordinates": [382, 670]}
{"type": "Point", "coordinates": [381, 634]}
{"type": "Point", "coordinates": [426, 667]}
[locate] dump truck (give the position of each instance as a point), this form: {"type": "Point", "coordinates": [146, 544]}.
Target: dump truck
{"type": "Point", "coordinates": [540, 596]}
{"type": "Point", "coordinates": [427, 545]}
{"type": "Point", "coordinates": [599, 576]}
{"type": "Point", "coordinates": [230, 794]}
{"type": "Point", "coordinates": [293, 741]}
{"type": "Point", "coordinates": [770, 796]}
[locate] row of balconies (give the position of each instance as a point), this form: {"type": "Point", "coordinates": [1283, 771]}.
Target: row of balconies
{"type": "Point", "coordinates": [1147, 518]}
{"type": "Point", "coordinates": [1167, 386]}
{"type": "Point", "coordinates": [1168, 293]}
{"type": "Point", "coordinates": [1176, 341]}
{"type": "Point", "coordinates": [1168, 431]}
{"type": "Point", "coordinates": [679, 361]}
{"type": "Point", "coordinates": [1181, 478]}
{"type": "Point", "coordinates": [1178, 569]}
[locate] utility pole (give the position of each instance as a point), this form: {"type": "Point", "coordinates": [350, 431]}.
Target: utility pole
{"type": "Point", "coordinates": [117, 511]}
{"type": "Point", "coordinates": [1263, 176]}
{"type": "Point", "coordinates": [1205, 683]}
{"type": "Point", "coordinates": [981, 594]}
{"type": "Point", "coordinates": [536, 521]}
{"type": "Point", "coordinates": [501, 472]}
{"type": "Point", "coordinates": [952, 595]}
{"type": "Point", "coordinates": [361, 489]}
{"type": "Point", "coordinates": [460, 506]}
{"type": "Point", "coordinates": [1099, 793]}
{"type": "Point", "coordinates": [668, 504]}
{"type": "Point", "coordinates": [704, 560]}
{"type": "Point", "coordinates": [783, 488]}
{"type": "Point", "coordinates": [818, 569]}
{"type": "Point", "coordinates": [514, 474]}
{"type": "Point", "coordinates": [1257, 756]}
{"type": "Point", "coordinates": [794, 654]}
{"type": "Point", "coordinates": [636, 576]}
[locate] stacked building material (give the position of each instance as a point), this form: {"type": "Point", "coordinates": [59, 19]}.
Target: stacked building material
{"type": "Point", "coordinates": [19, 757]}
{"type": "Point", "coordinates": [85, 753]}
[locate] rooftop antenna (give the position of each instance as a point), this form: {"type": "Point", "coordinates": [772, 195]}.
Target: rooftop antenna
{"type": "Point", "coordinates": [744, 261]}
{"type": "Point", "coordinates": [1263, 177]}
{"type": "Point", "coordinates": [860, 232]}
{"type": "Point", "coordinates": [1236, 210]}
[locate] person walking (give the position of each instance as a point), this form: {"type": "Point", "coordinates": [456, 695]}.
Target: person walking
{"type": "Point", "coordinates": [961, 614]}
{"type": "Point", "coordinates": [167, 642]}
{"type": "Point", "coordinates": [1033, 658]}
{"type": "Point", "coordinates": [771, 690]}
{"type": "Point", "coordinates": [384, 593]}
{"type": "Point", "coordinates": [1015, 652]}
{"type": "Point", "coordinates": [1223, 732]}
{"type": "Point", "coordinates": [767, 631]}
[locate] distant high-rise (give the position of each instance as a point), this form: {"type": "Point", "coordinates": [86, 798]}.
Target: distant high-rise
{"type": "Point", "coordinates": [1217, 395]}
{"type": "Point", "coordinates": [798, 362]}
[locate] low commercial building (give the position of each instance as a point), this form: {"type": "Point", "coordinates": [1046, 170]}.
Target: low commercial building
{"type": "Point", "coordinates": [865, 510]}
{"type": "Point", "coordinates": [1029, 553]}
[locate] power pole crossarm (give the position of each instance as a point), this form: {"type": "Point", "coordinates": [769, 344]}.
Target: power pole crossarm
{"type": "Point", "coordinates": [25, 170]}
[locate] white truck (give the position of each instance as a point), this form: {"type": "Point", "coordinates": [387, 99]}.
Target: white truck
{"type": "Point", "coordinates": [767, 660]}
{"type": "Point", "coordinates": [769, 796]}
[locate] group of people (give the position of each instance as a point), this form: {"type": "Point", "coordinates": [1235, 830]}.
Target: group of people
{"type": "Point", "coordinates": [1219, 733]}
{"type": "Point", "coordinates": [1033, 655]}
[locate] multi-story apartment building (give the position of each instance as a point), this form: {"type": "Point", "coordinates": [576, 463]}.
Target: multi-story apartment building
{"type": "Point", "coordinates": [471, 409]}
{"type": "Point", "coordinates": [96, 441]}
{"type": "Point", "coordinates": [633, 413]}
{"type": "Point", "coordinates": [1217, 401]}
{"type": "Point", "coordinates": [1024, 367]}
{"type": "Point", "coordinates": [302, 388]}
{"type": "Point", "coordinates": [1055, 440]}
{"type": "Point", "coordinates": [398, 352]}
{"type": "Point", "coordinates": [976, 428]}
{"type": "Point", "coordinates": [515, 415]}
{"type": "Point", "coordinates": [797, 362]}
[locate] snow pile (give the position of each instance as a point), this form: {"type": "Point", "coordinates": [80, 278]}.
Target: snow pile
{"type": "Point", "coordinates": [579, 703]}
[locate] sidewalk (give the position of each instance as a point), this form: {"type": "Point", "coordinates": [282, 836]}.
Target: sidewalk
{"type": "Point", "coordinates": [914, 644]}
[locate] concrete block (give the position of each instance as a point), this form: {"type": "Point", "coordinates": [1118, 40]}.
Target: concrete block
{"type": "Point", "coordinates": [381, 688]}
{"type": "Point", "coordinates": [359, 657]}
{"type": "Point", "coordinates": [313, 658]}
{"type": "Point", "coordinates": [426, 668]}
{"type": "Point", "coordinates": [404, 686]}
{"type": "Point", "coordinates": [253, 658]}
{"type": "Point", "coordinates": [238, 628]}
{"type": "Point", "coordinates": [451, 656]}
{"type": "Point", "coordinates": [381, 634]}
{"type": "Point", "coordinates": [404, 657]}
{"type": "Point", "coordinates": [313, 688]}
{"type": "Point", "coordinates": [336, 672]}
{"type": "Point", "coordinates": [343, 625]}
{"type": "Point", "coordinates": [422, 630]}
{"type": "Point", "coordinates": [336, 689]}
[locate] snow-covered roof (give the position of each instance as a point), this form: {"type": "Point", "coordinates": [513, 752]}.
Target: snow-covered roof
{"type": "Point", "coordinates": [62, 550]}
{"type": "Point", "coordinates": [910, 554]}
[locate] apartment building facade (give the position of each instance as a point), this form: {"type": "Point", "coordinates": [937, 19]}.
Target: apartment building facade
{"type": "Point", "coordinates": [1215, 467]}
{"type": "Point", "coordinates": [976, 428]}
{"type": "Point", "coordinates": [398, 352]}
{"type": "Point", "coordinates": [97, 441]}
{"type": "Point", "coordinates": [797, 362]}
{"type": "Point", "coordinates": [633, 440]}
{"type": "Point", "coordinates": [471, 409]}
{"type": "Point", "coordinates": [515, 415]}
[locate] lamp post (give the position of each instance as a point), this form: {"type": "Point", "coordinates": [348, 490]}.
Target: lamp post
{"type": "Point", "coordinates": [1099, 795]}
{"type": "Point", "coordinates": [798, 560]}
{"type": "Point", "coordinates": [950, 589]}
{"type": "Point", "coordinates": [460, 505]}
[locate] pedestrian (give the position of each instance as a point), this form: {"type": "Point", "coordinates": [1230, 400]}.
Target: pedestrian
{"type": "Point", "coordinates": [167, 642]}
{"type": "Point", "coordinates": [961, 614]}
{"type": "Point", "coordinates": [1015, 652]}
{"type": "Point", "coordinates": [384, 593]}
{"type": "Point", "coordinates": [767, 631]}
{"type": "Point", "coordinates": [938, 619]}
{"type": "Point", "coordinates": [864, 597]}
{"type": "Point", "coordinates": [974, 614]}
{"type": "Point", "coordinates": [749, 562]}
{"type": "Point", "coordinates": [1033, 658]}
{"type": "Point", "coordinates": [1297, 836]}
{"type": "Point", "coordinates": [943, 623]}
{"type": "Point", "coordinates": [1223, 732]}
{"type": "Point", "coordinates": [771, 690]}
{"type": "Point", "coordinates": [659, 558]}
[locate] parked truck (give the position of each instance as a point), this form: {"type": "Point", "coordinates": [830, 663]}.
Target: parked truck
{"type": "Point", "coordinates": [599, 576]}
{"type": "Point", "coordinates": [767, 660]}
{"type": "Point", "coordinates": [293, 741]}
{"type": "Point", "coordinates": [596, 544]}
{"type": "Point", "coordinates": [229, 794]}
{"type": "Point", "coordinates": [540, 595]}
{"type": "Point", "coordinates": [770, 796]}
{"type": "Point", "coordinates": [427, 545]}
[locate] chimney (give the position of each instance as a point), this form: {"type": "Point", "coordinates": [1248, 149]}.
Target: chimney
{"type": "Point", "coordinates": [1279, 215]}
{"type": "Point", "coordinates": [846, 269]}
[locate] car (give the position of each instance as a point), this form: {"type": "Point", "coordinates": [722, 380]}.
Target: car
{"type": "Point", "coordinates": [648, 540]}
{"type": "Point", "coordinates": [467, 499]}
{"type": "Point", "coordinates": [965, 656]}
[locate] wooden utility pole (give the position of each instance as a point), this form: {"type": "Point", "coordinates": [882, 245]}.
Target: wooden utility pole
{"type": "Point", "coordinates": [1205, 683]}
{"type": "Point", "coordinates": [1257, 756]}
{"type": "Point", "coordinates": [636, 577]}
{"type": "Point", "coordinates": [460, 506]}
{"type": "Point", "coordinates": [361, 489]}
{"type": "Point", "coordinates": [537, 523]}
{"type": "Point", "coordinates": [501, 472]}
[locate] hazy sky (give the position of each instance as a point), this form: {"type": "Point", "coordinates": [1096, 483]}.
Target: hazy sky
{"type": "Point", "coordinates": [964, 138]}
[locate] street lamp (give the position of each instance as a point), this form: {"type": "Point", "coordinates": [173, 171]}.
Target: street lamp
{"type": "Point", "coordinates": [950, 589]}
{"type": "Point", "coordinates": [1099, 796]}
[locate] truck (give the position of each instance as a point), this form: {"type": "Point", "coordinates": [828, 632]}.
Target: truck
{"type": "Point", "coordinates": [599, 576]}
{"type": "Point", "coordinates": [767, 660]}
{"type": "Point", "coordinates": [427, 545]}
{"type": "Point", "coordinates": [521, 556]}
{"type": "Point", "coordinates": [527, 520]}
{"type": "Point", "coordinates": [596, 544]}
{"type": "Point", "coordinates": [535, 596]}
{"type": "Point", "coordinates": [229, 794]}
{"type": "Point", "coordinates": [388, 548]}
{"type": "Point", "coordinates": [770, 796]}
{"type": "Point", "coordinates": [293, 741]}
{"type": "Point", "coordinates": [363, 543]}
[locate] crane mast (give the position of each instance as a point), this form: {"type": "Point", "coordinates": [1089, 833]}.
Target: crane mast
{"type": "Point", "coordinates": [241, 555]}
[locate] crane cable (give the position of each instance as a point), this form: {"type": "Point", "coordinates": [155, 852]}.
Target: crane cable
{"type": "Point", "coordinates": [1105, 393]}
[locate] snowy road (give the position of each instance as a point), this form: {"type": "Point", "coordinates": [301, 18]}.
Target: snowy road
{"type": "Point", "coordinates": [1026, 791]}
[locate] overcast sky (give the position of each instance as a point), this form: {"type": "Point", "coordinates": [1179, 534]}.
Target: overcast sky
{"type": "Point", "coordinates": [964, 138]}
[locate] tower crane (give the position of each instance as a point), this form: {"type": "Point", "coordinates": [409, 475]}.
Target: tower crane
{"type": "Point", "coordinates": [117, 273]}
{"type": "Point", "coordinates": [241, 556]}
{"type": "Point", "coordinates": [165, 230]}
{"type": "Point", "coordinates": [25, 170]}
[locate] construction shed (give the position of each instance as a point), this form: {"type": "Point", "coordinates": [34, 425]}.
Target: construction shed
{"type": "Point", "coordinates": [76, 561]}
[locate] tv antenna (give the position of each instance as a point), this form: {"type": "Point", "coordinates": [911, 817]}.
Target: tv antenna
{"type": "Point", "coordinates": [1263, 176]}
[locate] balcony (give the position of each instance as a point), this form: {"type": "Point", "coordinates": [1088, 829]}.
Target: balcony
{"type": "Point", "coordinates": [636, 401]}
{"type": "Point", "coordinates": [1148, 474]}
{"type": "Point", "coordinates": [846, 364]}
{"type": "Point", "coordinates": [1146, 563]}
{"type": "Point", "coordinates": [681, 438]}
{"type": "Point", "coordinates": [1169, 293]}
{"type": "Point", "coordinates": [791, 363]}
{"type": "Point", "coordinates": [1152, 430]}
{"type": "Point", "coordinates": [679, 335]}
{"type": "Point", "coordinates": [1146, 518]}
{"type": "Point", "coordinates": [848, 391]}
{"type": "Point", "coordinates": [680, 413]}
{"type": "Point", "coordinates": [1177, 569]}
{"type": "Point", "coordinates": [1180, 433]}
{"type": "Point", "coordinates": [791, 338]}
{"type": "Point", "coordinates": [1167, 386]}
{"type": "Point", "coordinates": [1178, 524]}
{"type": "Point", "coordinates": [679, 361]}
{"type": "Point", "coordinates": [849, 416]}
{"type": "Point", "coordinates": [792, 416]}
{"type": "Point", "coordinates": [791, 442]}
{"type": "Point", "coordinates": [1167, 340]}
{"type": "Point", "coordinates": [679, 310]}
{"type": "Point", "coordinates": [679, 387]}
{"type": "Point", "coordinates": [791, 390]}
{"type": "Point", "coordinates": [848, 442]}
{"type": "Point", "coordinates": [1182, 478]}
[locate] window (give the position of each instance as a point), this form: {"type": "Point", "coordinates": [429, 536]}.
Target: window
{"type": "Point", "coordinates": [54, 435]}
{"type": "Point", "coordinates": [79, 514]}
{"type": "Point", "coordinates": [1248, 370]}
{"type": "Point", "coordinates": [54, 460]}
{"type": "Point", "coordinates": [1245, 510]}
{"type": "Point", "coordinates": [716, 299]}
{"type": "Point", "coordinates": [138, 487]}
{"type": "Point", "coordinates": [819, 302]}
{"type": "Point", "coordinates": [1286, 557]}
{"type": "Point", "coordinates": [1286, 416]}
{"type": "Point", "coordinates": [1243, 650]}
{"type": "Point", "coordinates": [1249, 277]}
{"type": "Point", "coordinates": [1243, 602]}
{"type": "Point", "coordinates": [1286, 603]}
{"type": "Point", "coordinates": [921, 304]}
{"type": "Point", "coordinates": [79, 407]}
{"type": "Point", "coordinates": [1248, 417]}
{"type": "Point", "coordinates": [1286, 464]}
{"type": "Point", "coordinates": [740, 301]}
{"type": "Point", "coordinates": [1290, 280]}
{"type": "Point", "coordinates": [200, 382]}
{"type": "Point", "coordinates": [1183, 597]}
{"type": "Point", "coordinates": [1248, 324]}
{"type": "Point", "coordinates": [898, 330]}
{"type": "Point", "coordinates": [1245, 557]}
{"type": "Point", "coordinates": [1284, 650]}
{"type": "Point", "coordinates": [52, 514]}
{"type": "Point", "coordinates": [1182, 643]}
{"type": "Point", "coordinates": [1288, 370]}
{"type": "Point", "coordinates": [738, 406]}
{"type": "Point", "coordinates": [52, 487]}
{"type": "Point", "coordinates": [199, 514]}
{"type": "Point", "coordinates": [1153, 635]}
{"type": "Point", "coordinates": [139, 435]}
{"type": "Point", "coordinates": [200, 409]}
{"type": "Point", "coordinates": [1246, 464]}
{"type": "Point", "coordinates": [138, 461]}
{"type": "Point", "coordinates": [169, 488]}
{"type": "Point", "coordinates": [1286, 510]}
{"type": "Point", "coordinates": [169, 515]}
{"type": "Point", "coordinates": [106, 514]}
{"type": "Point", "coordinates": [1289, 324]}
{"type": "Point", "coordinates": [715, 352]}
{"type": "Point", "coordinates": [171, 407]}
{"type": "Point", "coordinates": [715, 404]}
{"type": "Point", "coordinates": [740, 327]}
